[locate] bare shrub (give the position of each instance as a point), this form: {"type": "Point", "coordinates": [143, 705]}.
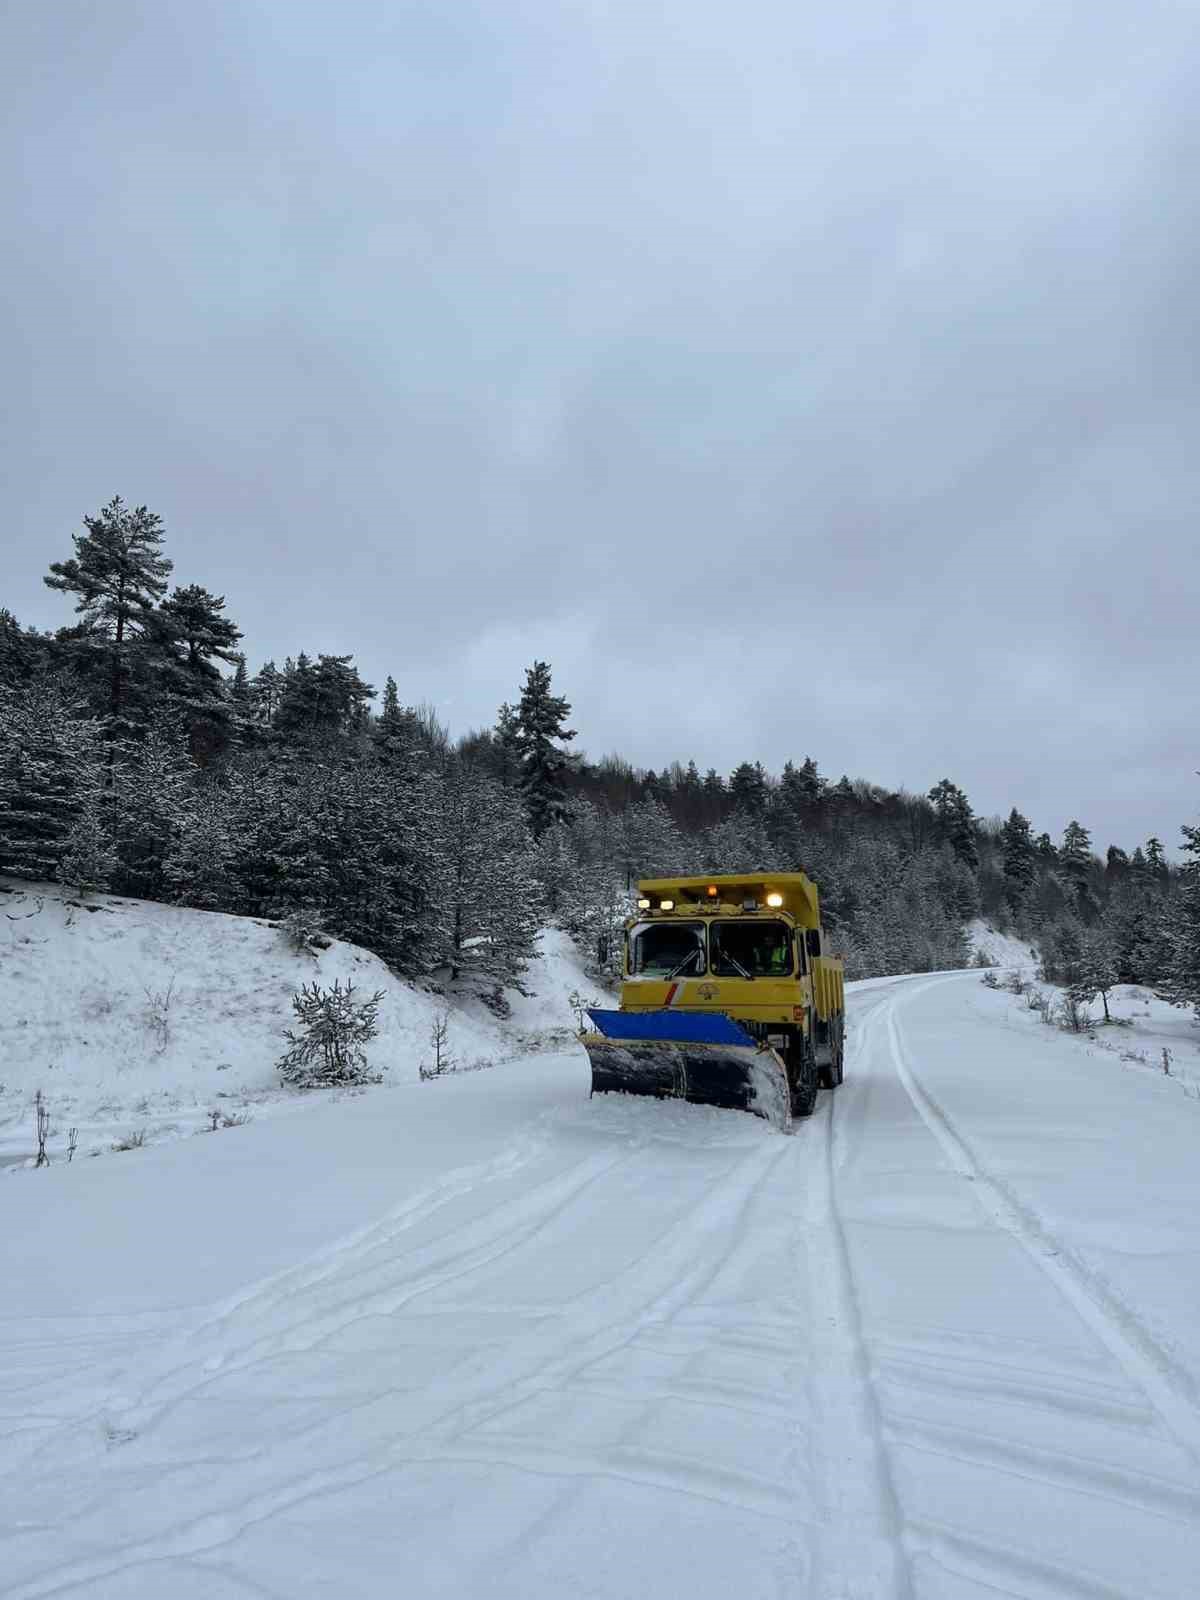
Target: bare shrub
{"type": "Point", "coordinates": [304, 934]}
{"type": "Point", "coordinates": [580, 1007]}
{"type": "Point", "coordinates": [1073, 1013]}
{"type": "Point", "coordinates": [156, 1014]}
{"type": "Point", "coordinates": [989, 981]}
{"type": "Point", "coordinates": [227, 1119]}
{"type": "Point", "coordinates": [334, 1029]}
{"type": "Point", "coordinates": [1015, 983]}
{"type": "Point", "coordinates": [131, 1141]}
{"type": "Point", "coordinates": [439, 1033]}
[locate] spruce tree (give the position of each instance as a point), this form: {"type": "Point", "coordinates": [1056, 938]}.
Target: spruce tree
{"type": "Point", "coordinates": [1097, 972]}
{"type": "Point", "coordinates": [193, 636]}
{"type": "Point", "coordinates": [266, 689]}
{"type": "Point", "coordinates": [955, 821]}
{"type": "Point", "coordinates": [50, 768]}
{"type": "Point", "coordinates": [748, 788]}
{"type": "Point", "coordinates": [150, 804]}
{"type": "Point", "coordinates": [540, 734]}
{"type": "Point", "coordinates": [494, 898]}
{"type": "Point", "coordinates": [1020, 859]}
{"type": "Point", "coordinates": [119, 574]}
{"type": "Point", "coordinates": [1181, 980]}
{"type": "Point", "coordinates": [1075, 866]}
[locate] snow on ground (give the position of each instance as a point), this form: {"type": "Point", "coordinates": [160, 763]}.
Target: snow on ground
{"type": "Point", "coordinates": [1145, 1034]}
{"type": "Point", "coordinates": [133, 1016]}
{"type": "Point", "coordinates": [486, 1338]}
{"type": "Point", "coordinates": [1001, 949]}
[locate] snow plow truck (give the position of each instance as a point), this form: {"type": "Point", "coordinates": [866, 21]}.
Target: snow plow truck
{"type": "Point", "coordinates": [728, 998]}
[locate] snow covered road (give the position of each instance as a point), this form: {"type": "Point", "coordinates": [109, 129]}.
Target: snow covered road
{"type": "Point", "coordinates": [485, 1337]}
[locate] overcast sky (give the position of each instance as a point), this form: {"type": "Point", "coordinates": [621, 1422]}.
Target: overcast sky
{"type": "Point", "coordinates": [795, 378]}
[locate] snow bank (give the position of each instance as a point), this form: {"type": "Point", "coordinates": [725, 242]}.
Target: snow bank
{"type": "Point", "coordinates": [1002, 949]}
{"type": "Point", "coordinates": [130, 1015]}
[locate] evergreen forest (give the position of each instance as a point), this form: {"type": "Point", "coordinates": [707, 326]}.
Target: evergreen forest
{"type": "Point", "coordinates": [140, 754]}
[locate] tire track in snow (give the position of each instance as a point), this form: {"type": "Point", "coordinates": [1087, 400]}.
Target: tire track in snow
{"type": "Point", "coordinates": [1150, 1369]}
{"type": "Point", "coordinates": [860, 1553]}
{"type": "Point", "coordinates": [686, 1270]}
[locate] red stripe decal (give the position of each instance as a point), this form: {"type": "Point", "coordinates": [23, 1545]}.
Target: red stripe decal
{"type": "Point", "coordinates": [670, 994]}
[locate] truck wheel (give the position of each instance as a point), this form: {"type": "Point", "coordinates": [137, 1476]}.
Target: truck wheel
{"type": "Point", "coordinates": [803, 1077]}
{"type": "Point", "coordinates": [832, 1074]}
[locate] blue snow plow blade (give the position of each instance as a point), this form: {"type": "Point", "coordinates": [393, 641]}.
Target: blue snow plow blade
{"type": "Point", "coordinates": [676, 1027]}
{"type": "Point", "coordinates": [701, 1056]}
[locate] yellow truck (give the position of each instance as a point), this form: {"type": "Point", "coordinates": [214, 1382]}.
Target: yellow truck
{"type": "Point", "coordinates": [729, 997]}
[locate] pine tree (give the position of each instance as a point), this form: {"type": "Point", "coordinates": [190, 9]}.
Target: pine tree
{"type": "Point", "coordinates": [1116, 865]}
{"type": "Point", "coordinates": [1181, 979]}
{"type": "Point", "coordinates": [120, 574]}
{"type": "Point", "coordinates": [1097, 971]}
{"type": "Point", "coordinates": [49, 769]}
{"type": "Point", "coordinates": [801, 788]}
{"type": "Point", "coordinates": [491, 874]}
{"type": "Point", "coordinates": [651, 844]}
{"type": "Point", "coordinates": [541, 731]}
{"type": "Point", "coordinates": [324, 698]}
{"type": "Point", "coordinates": [266, 690]}
{"type": "Point", "coordinates": [397, 730]}
{"type": "Point", "coordinates": [739, 843]}
{"type": "Point", "coordinates": [150, 804]}
{"type": "Point", "coordinates": [89, 859]}
{"type": "Point", "coordinates": [1020, 859]}
{"type": "Point", "coordinates": [955, 821]}
{"type": "Point", "coordinates": [748, 788]}
{"type": "Point", "coordinates": [1156, 859]}
{"type": "Point", "coordinates": [22, 654]}
{"type": "Point", "coordinates": [508, 745]}
{"type": "Point", "coordinates": [1075, 866]}
{"type": "Point", "coordinates": [198, 865]}
{"type": "Point", "coordinates": [191, 635]}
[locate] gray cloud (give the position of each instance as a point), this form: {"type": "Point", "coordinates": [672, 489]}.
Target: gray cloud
{"type": "Point", "coordinates": [794, 380]}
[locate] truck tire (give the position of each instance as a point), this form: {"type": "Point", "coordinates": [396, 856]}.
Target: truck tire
{"type": "Point", "coordinates": [803, 1077]}
{"type": "Point", "coordinates": [832, 1075]}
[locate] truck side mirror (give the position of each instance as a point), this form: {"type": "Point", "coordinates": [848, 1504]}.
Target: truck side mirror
{"type": "Point", "coordinates": [812, 941]}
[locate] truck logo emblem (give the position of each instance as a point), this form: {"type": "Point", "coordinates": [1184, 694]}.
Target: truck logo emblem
{"type": "Point", "coordinates": [707, 991]}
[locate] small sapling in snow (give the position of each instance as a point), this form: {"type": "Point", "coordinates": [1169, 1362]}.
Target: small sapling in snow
{"type": "Point", "coordinates": [334, 1027]}
{"type": "Point", "coordinates": [42, 1112]}
{"type": "Point", "coordinates": [439, 1032]}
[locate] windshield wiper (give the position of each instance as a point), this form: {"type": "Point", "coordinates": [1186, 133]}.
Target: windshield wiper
{"type": "Point", "coordinates": [686, 962]}
{"type": "Point", "coordinates": [737, 965]}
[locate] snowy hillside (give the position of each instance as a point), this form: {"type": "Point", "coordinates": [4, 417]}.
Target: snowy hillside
{"type": "Point", "coordinates": [129, 1015]}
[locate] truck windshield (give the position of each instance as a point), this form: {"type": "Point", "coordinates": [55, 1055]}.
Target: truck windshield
{"type": "Point", "coordinates": [751, 949]}
{"type": "Point", "coordinates": [666, 950]}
